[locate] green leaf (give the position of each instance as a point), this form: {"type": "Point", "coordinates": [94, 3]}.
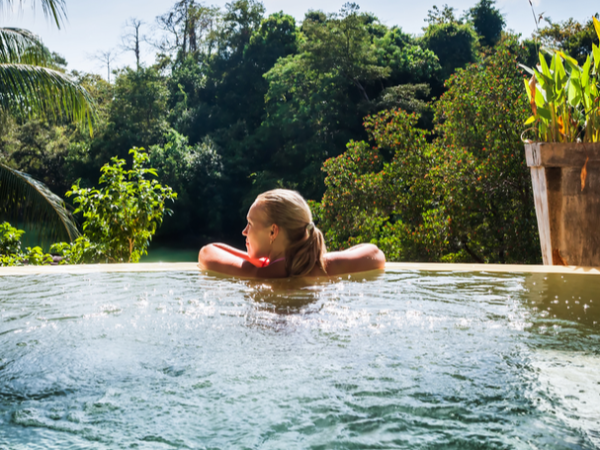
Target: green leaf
{"type": "Point", "coordinates": [560, 75]}
{"type": "Point", "coordinates": [574, 91]}
{"type": "Point", "coordinates": [544, 65]}
{"type": "Point", "coordinates": [55, 9]}
{"type": "Point", "coordinates": [596, 54]}
{"type": "Point", "coordinates": [596, 26]}
{"type": "Point", "coordinates": [569, 59]}
{"type": "Point", "coordinates": [539, 98]}
{"type": "Point", "coordinates": [530, 120]}
{"type": "Point", "coordinates": [35, 90]}
{"type": "Point", "coordinates": [27, 199]}
{"type": "Point", "coordinates": [22, 46]}
{"type": "Point", "coordinates": [527, 88]}
{"type": "Point", "coordinates": [544, 113]}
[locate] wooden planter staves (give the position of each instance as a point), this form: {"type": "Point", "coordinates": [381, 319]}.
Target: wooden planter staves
{"type": "Point", "coordinates": [566, 188]}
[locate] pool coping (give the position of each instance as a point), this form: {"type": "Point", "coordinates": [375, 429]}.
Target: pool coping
{"type": "Point", "coordinates": [390, 266]}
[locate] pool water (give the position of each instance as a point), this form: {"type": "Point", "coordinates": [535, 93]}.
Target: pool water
{"type": "Point", "coordinates": [412, 360]}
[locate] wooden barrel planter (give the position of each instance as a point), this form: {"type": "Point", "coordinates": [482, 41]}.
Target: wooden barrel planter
{"type": "Point", "coordinates": [566, 188]}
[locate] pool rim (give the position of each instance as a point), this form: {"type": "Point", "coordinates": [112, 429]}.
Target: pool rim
{"type": "Point", "coordinates": [389, 267]}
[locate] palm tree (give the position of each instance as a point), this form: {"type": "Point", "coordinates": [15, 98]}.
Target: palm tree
{"type": "Point", "coordinates": [28, 88]}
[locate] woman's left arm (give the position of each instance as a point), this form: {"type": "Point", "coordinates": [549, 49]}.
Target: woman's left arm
{"type": "Point", "coordinates": [360, 258]}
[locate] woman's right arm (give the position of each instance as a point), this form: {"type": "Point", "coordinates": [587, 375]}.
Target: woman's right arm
{"type": "Point", "coordinates": [214, 257]}
{"type": "Point", "coordinates": [360, 258]}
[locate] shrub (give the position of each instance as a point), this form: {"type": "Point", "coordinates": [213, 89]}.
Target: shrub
{"type": "Point", "coordinates": [121, 217]}
{"type": "Point", "coordinates": [11, 252]}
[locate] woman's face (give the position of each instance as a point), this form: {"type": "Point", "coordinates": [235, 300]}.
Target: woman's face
{"type": "Point", "coordinates": [258, 234]}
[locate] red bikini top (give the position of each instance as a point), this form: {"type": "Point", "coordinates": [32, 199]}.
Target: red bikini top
{"type": "Point", "coordinates": [266, 261]}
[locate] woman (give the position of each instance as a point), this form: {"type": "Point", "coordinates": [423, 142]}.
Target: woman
{"type": "Point", "coordinates": [283, 241]}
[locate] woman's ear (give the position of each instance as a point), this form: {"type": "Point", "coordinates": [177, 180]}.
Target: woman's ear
{"type": "Point", "coordinates": [274, 231]}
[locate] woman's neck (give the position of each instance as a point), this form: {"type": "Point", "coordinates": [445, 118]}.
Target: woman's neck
{"type": "Point", "coordinates": [276, 255]}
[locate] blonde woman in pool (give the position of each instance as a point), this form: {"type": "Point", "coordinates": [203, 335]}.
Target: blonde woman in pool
{"type": "Point", "coordinates": [282, 241]}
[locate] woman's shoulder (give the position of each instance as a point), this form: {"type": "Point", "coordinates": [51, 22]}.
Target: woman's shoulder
{"type": "Point", "coordinates": [360, 258]}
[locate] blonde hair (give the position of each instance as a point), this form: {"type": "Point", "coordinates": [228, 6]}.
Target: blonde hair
{"type": "Point", "coordinates": [291, 213]}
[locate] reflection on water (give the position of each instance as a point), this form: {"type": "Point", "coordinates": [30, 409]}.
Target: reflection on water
{"type": "Point", "coordinates": [565, 298]}
{"type": "Point", "coordinates": [286, 296]}
{"type": "Point", "coordinates": [381, 360]}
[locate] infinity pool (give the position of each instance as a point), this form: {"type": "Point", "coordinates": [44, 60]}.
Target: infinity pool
{"type": "Point", "coordinates": [412, 360]}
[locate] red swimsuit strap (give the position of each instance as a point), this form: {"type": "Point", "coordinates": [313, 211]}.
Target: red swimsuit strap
{"type": "Point", "coordinates": [266, 261]}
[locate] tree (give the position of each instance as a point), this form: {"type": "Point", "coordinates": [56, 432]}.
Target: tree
{"type": "Point", "coordinates": [463, 196]}
{"type": "Point", "coordinates": [130, 41]}
{"type": "Point", "coordinates": [137, 114]}
{"type": "Point", "coordinates": [195, 172]}
{"type": "Point", "coordinates": [28, 88]}
{"type": "Point", "coordinates": [348, 65]}
{"type": "Point", "coordinates": [343, 46]}
{"type": "Point", "coordinates": [437, 16]}
{"type": "Point", "coordinates": [190, 28]}
{"type": "Point", "coordinates": [106, 58]}
{"type": "Point", "coordinates": [570, 36]}
{"type": "Point", "coordinates": [453, 43]}
{"type": "Point", "coordinates": [487, 21]}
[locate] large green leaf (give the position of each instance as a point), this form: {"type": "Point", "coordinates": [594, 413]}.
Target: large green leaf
{"type": "Point", "coordinates": [56, 9]}
{"type": "Point", "coordinates": [575, 93]}
{"type": "Point", "coordinates": [22, 46]}
{"type": "Point", "coordinates": [26, 200]}
{"type": "Point", "coordinates": [34, 90]}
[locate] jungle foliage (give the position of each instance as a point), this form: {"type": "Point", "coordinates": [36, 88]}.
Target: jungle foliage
{"type": "Point", "coordinates": [421, 134]}
{"type": "Point", "coordinates": [460, 194]}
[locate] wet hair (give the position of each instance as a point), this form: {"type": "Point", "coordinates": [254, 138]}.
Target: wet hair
{"type": "Point", "coordinates": [291, 213]}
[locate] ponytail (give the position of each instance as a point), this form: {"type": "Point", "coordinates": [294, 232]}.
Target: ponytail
{"type": "Point", "coordinates": [306, 253]}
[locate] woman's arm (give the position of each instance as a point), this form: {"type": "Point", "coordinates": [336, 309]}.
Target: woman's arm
{"type": "Point", "coordinates": [240, 254]}
{"type": "Point", "coordinates": [359, 258]}
{"type": "Point", "coordinates": [214, 257]}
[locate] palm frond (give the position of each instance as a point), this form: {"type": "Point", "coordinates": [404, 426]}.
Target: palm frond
{"type": "Point", "coordinates": [27, 200]}
{"type": "Point", "coordinates": [55, 9]}
{"type": "Point", "coordinates": [33, 90]}
{"type": "Point", "coordinates": [22, 46]}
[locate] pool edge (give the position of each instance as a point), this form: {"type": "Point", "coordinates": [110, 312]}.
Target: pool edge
{"type": "Point", "coordinates": [390, 266]}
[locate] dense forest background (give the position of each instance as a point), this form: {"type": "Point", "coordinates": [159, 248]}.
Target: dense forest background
{"type": "Point", "coordinates": [411, 142]}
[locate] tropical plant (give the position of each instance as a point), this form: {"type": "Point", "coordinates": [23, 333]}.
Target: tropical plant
{"type": "Point", "coordinates": [565, 97]}
{"type": "Point", "coordinates": [27, 200]}
{"type": "Point", "coordinates": [120, 217]}
{"type": "Point", "coordinates": [12, 253]}
{"type": "Point", "coordinates": [29, 87]}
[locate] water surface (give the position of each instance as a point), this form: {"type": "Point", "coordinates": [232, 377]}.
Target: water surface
{"type": "Point", "coordinates": [397, 360]}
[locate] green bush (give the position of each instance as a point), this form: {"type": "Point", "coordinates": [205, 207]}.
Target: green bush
{"type": "Point", "coordinates": [11, 252]}
{"type": "Point", "coordinates": [121, 217]}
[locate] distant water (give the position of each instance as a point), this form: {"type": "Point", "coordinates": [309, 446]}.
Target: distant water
{"type": "Point", "coordinates": [168, 254]}
{"type": "Point", "coordinates": [410, 360]}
